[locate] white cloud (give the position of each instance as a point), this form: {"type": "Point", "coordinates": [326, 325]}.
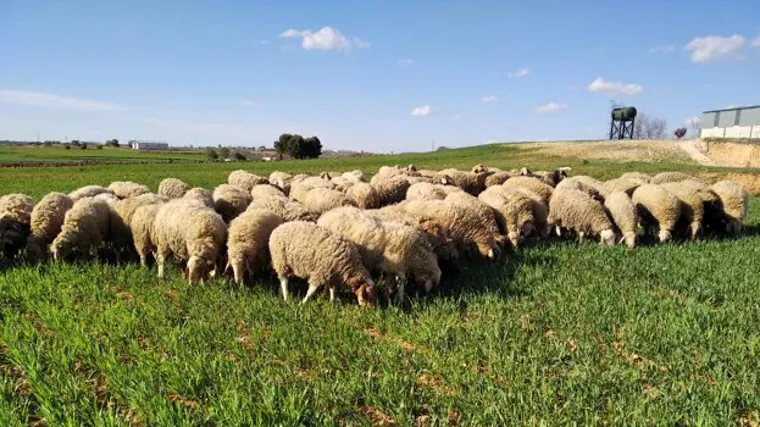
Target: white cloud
{"type": "Point", "coordinates": [551, 107]}
{"type": "Point", "coordinates": [325, 39]}
{"type": "Point", "coordinates": [406, 62]}
{"type": "Point", "coordinates": [614, 88]}
{"type": "Point", "coordinates": [47, 100]}
{"type": "Point", "coordinates": [521, 72]}
{"type": "Point", "coordinates": [663, 48]}
{"type": "Point", "coordinates": [489, 98]}
{"type": "Point", "coordinates": [712, 48]}
{"type": "Point", "coordinates": [249, 104]}
{"type": "Point", "coordinates": [692, 121]}
{"type": "Point", "coordinates": [756, 42]}
{"type": "Point", "coordinates": [422, 111]}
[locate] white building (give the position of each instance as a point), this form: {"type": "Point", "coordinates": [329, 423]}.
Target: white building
{"type": "Point", "coordinates": [740, 123]}
{"type": "Point", "coordinates": [149, 146]}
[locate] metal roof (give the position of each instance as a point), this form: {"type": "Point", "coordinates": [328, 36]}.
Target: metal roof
{"type": "Point", "coordinates": [749, 107]}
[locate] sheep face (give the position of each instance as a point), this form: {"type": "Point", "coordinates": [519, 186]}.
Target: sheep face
{"type": "Point", "coordinates": [238, 264]}
{"type": "Point", "coordinates": [426, 272]}
{"type": "Point", "coordinates": [63, 247]}
{"type": "Point", "coordinates": [197, 269]}
{"type": "Point", "coordinates": [514, 238]}
{"type": "Point", "coordinates": [607, 237]}
{"type": "Point", "coordinates": [629, 239]}
{"type": "Point", "coordinates": [366, 293]}
{"type": "Point", "coordinates": [664, 236]}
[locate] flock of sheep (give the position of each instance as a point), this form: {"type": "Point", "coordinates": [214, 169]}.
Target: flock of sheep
{"type": "Point", "coordinates": [338, 231]}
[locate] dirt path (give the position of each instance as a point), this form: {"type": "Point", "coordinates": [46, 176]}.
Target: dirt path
{"type": "Point", "coordinates": [692, 148]}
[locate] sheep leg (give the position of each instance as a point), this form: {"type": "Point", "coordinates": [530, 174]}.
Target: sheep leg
{"type": "Point", "coordinates": [558, 230]}
{"type": "Point", "coordinates": [400, 291]}
{"type": "Point", "coordinates": [332, 294]}
{"type": "Point", "coordinates": [580, 237]}
{"type": "Point", "coordinates": [161, 261]}
{"type": "Point", "coordinates": [309, 293]}
{"type": "Point", "coordinates": [284, 288]}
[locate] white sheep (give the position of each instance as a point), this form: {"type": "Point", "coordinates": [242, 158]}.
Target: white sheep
{"type": "Point", "coordinates": [88, 191]}
{"type": "Point", "coordinates": [245, 180]}
{"type": "Point", "coordinates": [172, 188]}
{"type": "Point", "coordinates": [202, 195]}
{"type": "Point", "coordinates": [735, 202]}
{"type": "Point", "coordinates": [248, 241]}
{"type": "Point", "coordinates": [230, 201]}
{"type": "Point", "coordinates": [576, 210]}
{"type": "Point", "coordinates": [127, 189]}
{"type": "Point", "coordinates": [623, 212]}
{"type": "Point", "coordinates": [658, 210]}
{"type": "Point", "coordinates": [46, 222]}
{"type": "Point", "coordinates": [85, 227]}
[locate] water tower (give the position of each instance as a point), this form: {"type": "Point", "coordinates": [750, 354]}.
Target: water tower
{"type": "Point", "coordinates": [622, 120]}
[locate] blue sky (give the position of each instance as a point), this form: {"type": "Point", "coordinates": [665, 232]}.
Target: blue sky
{"type": "Point", "coordinates": [374, 75]}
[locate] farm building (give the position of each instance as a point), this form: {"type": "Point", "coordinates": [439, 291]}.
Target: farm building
{"type": "Point", "coordinates": [149, 146]}
{"type": "Point", "coordinates": [740, 122]}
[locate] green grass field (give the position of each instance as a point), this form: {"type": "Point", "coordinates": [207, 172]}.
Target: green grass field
{"type": "Point", "coordinates": [30, 154]}
{"type": "Point", "coordinates": [560, 334]}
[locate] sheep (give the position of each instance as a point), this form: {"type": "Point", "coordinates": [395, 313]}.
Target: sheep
{"type": "Point", "coordinates": [190, 232]}
{"type": "Point", "coordinates": [85, 227]}
{"type": "Point", "coordinates": [637, 177]}
{"type": "Point", "coordinates": [121, 219]}
{"type": "Point", "coordinates": [391, 190]}
{"type": "Point", "coordinates": [658, 209]}
{"type": "Point", "coordinates": [46, 222]}
{"type": "Point", "coordinates": [485, 212]}
{"type": "Point", "coordinates": [230, 201]}
{"type": "Point", "coordinates": [575, 210]}
{"type": "Point", "coordinates": [127, 189]}
{"type": "Point", "coordinates": [587, 184]}
{"type": "Point", "coordinates": [623, 212]}
{"type": "Point", "coordinates": [714, 216]}
{"type": "Point", "coordinates": [308, 251]}
{"type": "Point", "coordinates": [364, 195]}
{"type": "Point", "coordinates": [355, 176]}
{"type": "Point", "coordinates": [200, 194]}
{"type": "Point", "coordinates": [514, 211]}
{"type": "Point", "coordinates": [281, 180]}
{"type": "Point", "coordinates": [172, 188]}
{"type": "Point", "coordinates": [265, 190]}
{"type": "Point", "coordinates": [461, 224]}
{"type": "Point", "coordinates": [300, 189]}
{"type": "Point", "coordinates": [533, 184]}
{"type": "Point", "coordinates": [619, 184]}
{"type": "Point", "coordinates": [88, 191]}
{"type": "Point", "coordinates": [692, 207]}
{"type": "Point", "coordinates": [386, 247]}
{"type": "Point", "coordinates": [15, 218]}
{"type": "Point", "coordinates": [110, 199]}
{"type": "Point", "coordinates": [427, 191]}
{"type": "Point", "coordinates": [341, 183]}
{"type": "Point", "coordinates": [245, 180]}
{"type": "Point", "coordinates": [472, 183]}
{"type": "Point", "coordinates": [664, 177]}
{"type": "Point", "coordinates": [247, 241]}
{"type": "Point", "coordinates": [499, 178]}
{"type": "Point", "coordinates": [554, 177]}
{"type": "Point", "coordinates": [321, 200]}
{"type": "Point", "coordinates": [540, 210]}
{"type": "Point", "coordinates": [141, 225]}
{"type": "Point", "coordinates": [288, 209]}
{"type": "Point", "coordinates": [735, 202]}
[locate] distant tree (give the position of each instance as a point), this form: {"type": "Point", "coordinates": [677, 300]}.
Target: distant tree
{"type": "Point", "coordinates": [48, 144]}
{"type": "Point", "coordinates": [240, 156]}
{"type": "Point", "coordinates": [280, 146]}
{"type": "Point", "coordinates": [224, 152]}
{"type": "Point", "coordinates": [99, 147]}
{"type": "Point", "coordinates": [211, 154]}
{"type": "Point", "coordinates": [312, 148]}
{"type": "Point", "coordinates": [649, 127]}
{"type": "Point", "coordinates": [442, 148]}
{"type": "Point", "coordinates": [112, 143]}
{"type": "Point", "coordinates": [75, 142]}
{"type": "Point", "coordinates": [67, 146]}
{"type": "Point", "coordinates": [680, 133]}
{"type": "Point", "coordinates": [83, 146]}
{"type": "Point", "coordinates": [262, 148]}
{"type": "Point", "coordinates": [131, 143]}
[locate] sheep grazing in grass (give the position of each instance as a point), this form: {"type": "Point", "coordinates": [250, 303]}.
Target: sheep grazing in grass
{"type": "Point", "coordinates": [391, 190]}
{"type": "Point", "coordinates": [289, 210]}
{"type": "Point", "coordinates": [300, 189]}
{"type": "Point", "coordinates": [85, 227]}
{"type": "Point", "coordinates": [281, 180]}
{"type": "Point", "coordinates": [190, 232]}
{"type": "Point", "coordinates": [121, 219]}
{"type": "Point", "coordinates": [266, 190]}
{"type": "Point", "coordinates": [514, 211]}
{"type": "Point", "coordinates": [248, 242]}
{"type": "Point", "coordinates": [15, 218]}
{"type": "Point", "coordinates": [587, 184]}
{"type": "Point", "coordinates": [460, 224]}
{"type": "Point", "coordinates": [245, 180]}
{"type": "Point", "coordinates": [472, 183]}
{"type": "Point", "coordinates": [88, 191]}
{"type": "Point", "coordinates": [623, 212]}
{"type": "Point", "coordinates": [364, 195]}
{"type": "Point", "coordinates": [172, 188]}
{"type": "Point", "coordinates": [202, 195]}
{"type": "Point", "coordinates": [619, 184]}
{"type": "Point", "coordinates": [127, 189]}
{"type": "Point", "coordinates": [427, 191]}
{"type": "Point", "coordinates": [307, 251]}
{"type": "Point", "coordinates": [692, 209]}
{"type": "Point", "coordinates": [554, 177]}
{"type": "Point", "coordinates": [715, 216]}
{"type": "Point", "coordinates": [486, 213]}
{"type": "Point", "coordinates": [386, 247]}
{"type": "Point", "coordinates": [735, 202]}
{"type": "Point", "coordinates": [533, 184]}
{"type": "Point", "coordinates": [230, 201]}
{"type": "Point", "coordinates": [664, 177]}
{"type": "Point", "coordinates": [141, 225]}
{"type": "Point", "coordinates": [321, 200]}
{"type": "Point", "coordinates": [637, 177]}
{"type": "Point", "coordinates": [575, 210]}
{"type": "Point", "coordinates": [540, 210]}
{"type": "Point", "coordinates": [46, 222]}
{"type": "Point", "coordinates": [499, 178]}
{"type": "Point", "coordinates": [658, 210]}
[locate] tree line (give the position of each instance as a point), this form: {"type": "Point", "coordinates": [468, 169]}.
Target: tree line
{"type": "Point", "coordinates": [298, 147]}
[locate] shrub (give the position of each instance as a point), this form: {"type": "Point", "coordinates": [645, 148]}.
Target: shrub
{"type": "Point", "coordinates": [680, 133]}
